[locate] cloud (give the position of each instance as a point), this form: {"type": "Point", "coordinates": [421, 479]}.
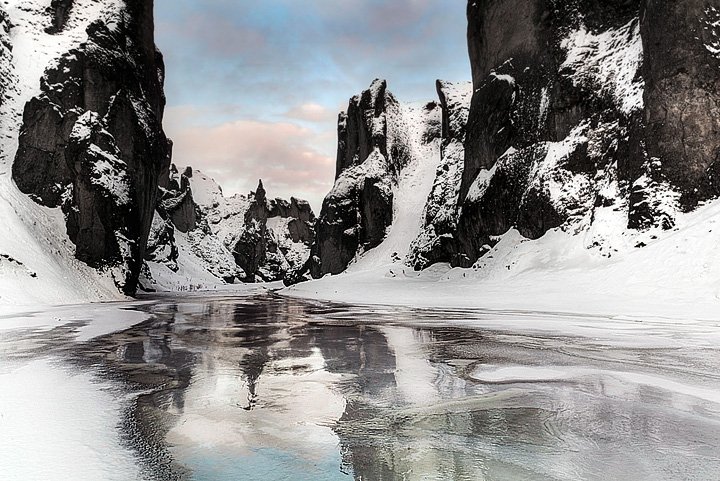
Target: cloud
{"type": "Point", "coordinates": [287, 157]}
{"type": "Point", "coordinates": [285, 68]}
{"type": "Point", "coordinates": [311, 112]}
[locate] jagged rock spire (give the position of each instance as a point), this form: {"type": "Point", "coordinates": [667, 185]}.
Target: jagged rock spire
{"type": "Point", "coordinates": [260, 194]}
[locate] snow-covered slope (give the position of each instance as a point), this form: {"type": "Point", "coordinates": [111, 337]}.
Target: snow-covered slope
{"type": "Point", "coordinates": [606, 270]}
{"type": "Point", "coordinates": [411, 190]}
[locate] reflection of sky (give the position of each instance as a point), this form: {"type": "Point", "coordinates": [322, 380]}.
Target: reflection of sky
{"type": "Point", "coordinates": [254, 87]}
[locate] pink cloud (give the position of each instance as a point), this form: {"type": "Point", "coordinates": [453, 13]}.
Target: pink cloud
{"type": "Point", "coordinates": [311, 112]}
{"type": "Point", "coordinates": [288, 158]}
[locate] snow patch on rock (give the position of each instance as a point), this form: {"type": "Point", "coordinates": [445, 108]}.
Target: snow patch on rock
{"type": "Point", "coordinates": [608, 61]}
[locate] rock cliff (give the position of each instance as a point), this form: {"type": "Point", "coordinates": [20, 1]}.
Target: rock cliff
{"type": "Point", "coordinates": [378, 138]}
{"type": "Point", "coordinates": [600, 105]}
{"type": "Point", "coordinates": [92, 141]}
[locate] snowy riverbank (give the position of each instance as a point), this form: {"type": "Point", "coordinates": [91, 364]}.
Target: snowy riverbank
{"type": "Point", "coordinates": [607, 271]}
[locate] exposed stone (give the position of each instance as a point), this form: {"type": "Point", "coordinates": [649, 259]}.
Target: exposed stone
{"type": "Point", "coordinates": [116, 76]}
{"type": "Point", "coordinates": [682, 94]}
{"type": "Point", "coordinates": [59, 11]}
{"type": "Point", "coordinates": [161, 246]}
{"type": "Point", "coordinates": [6, 77]}
{"type": "Point", "coordinates": [178, 205]}
{"type": "Point", "coordinates": [549, 128]}
{"type": "Point", "coordinates": [371, 152]}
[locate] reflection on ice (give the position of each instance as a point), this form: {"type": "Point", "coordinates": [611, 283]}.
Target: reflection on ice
{"type": "Point", "coordinates": [310, 391]}
{"type": "Point", "coordinates": [273, 389]}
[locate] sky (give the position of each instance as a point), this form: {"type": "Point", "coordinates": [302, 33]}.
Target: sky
{"type": "Point", "coordinates": [254, 87]}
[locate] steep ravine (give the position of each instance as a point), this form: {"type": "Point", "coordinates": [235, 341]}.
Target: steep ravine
{"type": "Point", "coordinates": [584, 120]}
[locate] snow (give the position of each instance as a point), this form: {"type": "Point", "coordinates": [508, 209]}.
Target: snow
{"type": "Point", "coordinates": [440, 208]}
{"type": "Point", "coordinates": [109, 172]}
{"type": "Point", "coordinates": [83, 128]}
{"type": "Point", "coordinates": [480, 184]}
{"type": "Point", "coordinates": [712, 26]}
{"type": "Point", "coordinates": [608, 61]}
{"type": "Point", "coordinates": [193, 272]}
{"type": "Point", "coordinates": [375, 166]}
{"type": "Point", "coordinates": [34, 236]}
{"type": "Point", "coordinates": [599, 272]}
{"type": "Point", "coordinates": [44, 434]}
{"type": "Point", "coordinates": [561, 183]}
{"type": "Point", "coordinates": [206, 192]}
{"type": "Point", "coordinates": [411, 192]}
{"type": "Point", "coordinates": [296, 253]}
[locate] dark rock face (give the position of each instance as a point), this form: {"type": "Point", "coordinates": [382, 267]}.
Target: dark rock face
{"type": "Point", "coordinates": [267, 239]}
{"type": "Point", "coordinates": [682, 94]}
{"type": "Point", "coordinates": [240, 238]}
{"type": "Point", "coordinates": [620, 94]}
{"type": "Point", "coordinates": [556, 118]}
{"type": "Point", "coordinates": [5, 55]}
{"type": "Point", "coordinates": [251, 248]}
{"type": "Point", "coordinates": [161, 246]}
{"type": "Point", "coordinates": [510, 62]}
{"type": "Point", "coordinates": [59, 10]}
{"type": "Point", "coordinates": [93, 142]}
{"type": "Point", "coordinates": [275, 232]}
{"type": "Point", "coordinates": [371, 152]}
{"type": "Point", "coordinates": [176, 203]}
{"type": "Point", "coordinates": [578, 108]}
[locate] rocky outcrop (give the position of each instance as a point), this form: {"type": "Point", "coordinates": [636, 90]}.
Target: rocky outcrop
{"type": "Point", "coordinates": [436, 240]}
{"type": "Point", "coordinates": [372, 149]}
{"type": "Point", "coordinates": [581, 106]}
{"type": "Point", "coordinates": [250, 249]}
{"type": "Point", "coordinates": [92, 141]}
{"type": "Point", "coordinates": [240, 238]}
{"type": "Point", "coordinates": [577, 108]}
{"type": "Point", "coordinates": [555, 123]}
{"type": "Point", "coordinates": [5, 56]}
{"type": "Point", "coordinates": [275, 239]}
{"type": "Point", "coordinates": [176, 201]}
{"type": "Point", "coordinates": [59, 11]}
{"type": "Point", "coordinates": [161, 247]}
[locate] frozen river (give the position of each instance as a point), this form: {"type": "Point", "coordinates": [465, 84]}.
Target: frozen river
{"type": "Point", "coordinates": [268, 388]}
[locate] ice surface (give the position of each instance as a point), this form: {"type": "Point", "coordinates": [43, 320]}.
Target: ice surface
{"type": "Point", "coordinates": [58, 425]}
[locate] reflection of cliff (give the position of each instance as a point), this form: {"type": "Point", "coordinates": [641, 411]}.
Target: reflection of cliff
{"type": "Point", "coordinates": [402, 403]}
{"type": "Point", "coordinates": [361, 353]}
{"type": "Point", "coordinates": [394, 433]}
{"type": "Point", "coordinates": [268, 369]}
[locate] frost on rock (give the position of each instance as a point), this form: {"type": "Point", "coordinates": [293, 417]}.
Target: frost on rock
{"type": "Point", "coordinates": [440, 217]}
{"type": "Point", "coordinates": [239, 238]}
{"type": "Point", "coordinates": [161, 247]}
{"type": "Point", "coordinates": [373, 149]}
{"type": "Point", "coordinates": [711, 24]}
{"type": "Point", "coordinates": [608, 62]}
{"type": "Point", "coordinates": [655, 202]}
{"type": "Point", "coordinates": [214, 256]}
{"type": "Point", "coordinates": [6, 80]}
{"type": "Point", "coordinates": [92, 140]}
{"type": "Point", "coordinates": [544, 186]}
